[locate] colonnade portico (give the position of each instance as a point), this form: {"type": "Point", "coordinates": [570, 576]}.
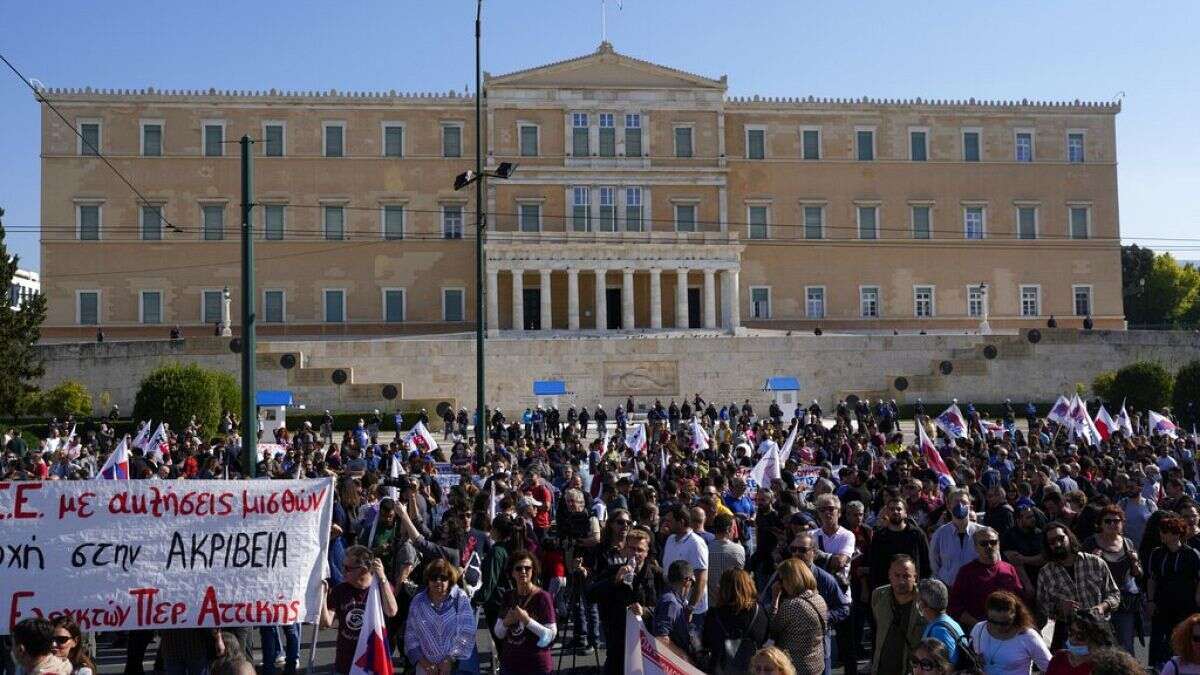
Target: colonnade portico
{"type": "Point", "coordinates": [613, 280]}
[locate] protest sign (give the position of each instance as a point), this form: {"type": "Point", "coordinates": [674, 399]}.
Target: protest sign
{"type": "Point", "coordinates": [447, 475]}
{"type": "Point", "coordinates": [647, 655]}
{"type": "Point", "coordinates": [129, 555]}
{"type": "Point", "coordinates": [806, 477]}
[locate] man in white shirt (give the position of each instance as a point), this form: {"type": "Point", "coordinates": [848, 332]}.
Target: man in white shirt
{"type": "Point", "coordinates": [684, 544]}
{"type": "Point", "coordinates": [834, 539]}
{"type": "Point", "coordinates": [952, 545]}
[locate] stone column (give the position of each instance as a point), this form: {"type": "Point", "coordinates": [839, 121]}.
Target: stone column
{"type": "Point", "coordinates": [572, 299]}
{"type": "Point", "coordinates": [681, 303]}
{"type": "Point", "coordinates": [627, 298]}
{"type": "Point", "coordinates": [733, 316]}
{"type": "Point", "coordinates": [601, 300]}
{"type": "Point", "coordinates": [493, 300]}
{"type": "Point", "coordinates": [710, 298]}
{"type": "Point", "coordinates": [655, 298]}
{"type": "Point", "coordinates": [518, 308]}
{"type": "Point", "coordinates": [545, 296]}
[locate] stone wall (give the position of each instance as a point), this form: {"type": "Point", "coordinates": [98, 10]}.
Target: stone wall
{"type": "Point", "coordinates": [608, 369]}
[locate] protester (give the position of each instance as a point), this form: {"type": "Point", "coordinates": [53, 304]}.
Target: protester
{"type": "Point", "coordinates": [345, 602]}
{"type": "Point", "coordinates": [1072, 581]}
{"type": "Point", "coordinates": [1088, 635]}
{"type": "Point", "coordinates": [897, 617]}
{"type": "Point", "coordinates": [33, 649]}
{"type": "Point", "coordinates": [798, 622]}
{"type": "Point", "coordinates": [930, 656]}
{"type": "Point", "coordinates": [635, 586]}
{"type": "Point", "coordinates": [1007, 642]}
{"type": "Point", "coordinates": [529, 625]}
{"type": "Point", "coordinates": [1119, 553]}
{"type": "Point", "coordinates": [771, 661]}
{"type": "Point", "coordinates": [932, 599]}
{"type": "Point", "coordinates": [736, 626]}
{"type": "Point", "coordinates": [979, 578]}
{"type": "Point", "coordinates": [68, 643]}
{"type": "Point", "coordinates": [440, 631]}
{"type": "Point", "coordinates": [1173, 585]}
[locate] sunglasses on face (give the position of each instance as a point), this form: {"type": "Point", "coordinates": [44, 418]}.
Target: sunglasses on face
{"type": "Point", "coordinates": [439, 577]}
{"type": "Point", "coordinates": [622, 522]}
{"type": "Point", "coordinates": [988, 543]}
{"type": "Point", "coordinates": [523, 568]}
{"type": "Point", "coordinates": [1112, 521]}
{"type": "Point", "coordinates": [922, 664]}
{"type": "Point", "coordinates": [61, 640]}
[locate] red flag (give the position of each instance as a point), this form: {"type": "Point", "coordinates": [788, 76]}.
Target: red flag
{"type": "Point", "coordinates": [933, 458]}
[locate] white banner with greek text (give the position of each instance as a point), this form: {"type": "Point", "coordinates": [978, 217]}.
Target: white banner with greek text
{"type": "Point", "coordinates": [144, 554]}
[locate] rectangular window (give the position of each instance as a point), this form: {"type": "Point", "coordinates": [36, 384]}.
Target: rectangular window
{"type": "Point", "coordinates": [579, 135]}
{"type": "Point", "coordinates": [1080, 221]}
{"type": "Point", "coordinates": [814, 222]}
{"type": "Point", "coordinates": [452, 304]}
{"type": "Point", "coordinates": [757, 220]}
{"type": "Point", "coordinates": [89, 308]}
{"type": "Point", "coordinates": [814, 302]}
{"type": "Point", "coordinates": [393, 305]}
{"type": "Point", "coordinates": [868, 226]}
{"type": "Point", "coordinates": [89, 222]}
{"type": "Point", "coordinates": [214, 223]}
{"type": "Point", "coordinates": [152, 136]}
{"type": "Point", "coordinates": [151, 307]}
{"type": "Point", "coordinates": [214, 140]}
{"type": "Point", "coordinates": [760, 302]}
{"type": "Point", "coordinates": [1031, 301]}
{"type": "Point", "coordinates": [335, 223]}
{"type": "Point", "coordinates": [975, 300]}
{"type": "Point", "coordinates": [393, 222]}
{"type": "Point", "coordinates": [868, 302]}
{"type": "Point", "coordinates": [1026, 222]}
{"type": "Point", "coordinates": [1083, 300]}
{"type": "Point", "coordinates": [210, 307]}
{"type": "Point", "coordinates": [685, 217]}
{"type": "Point", "coordinates": [335, 140]}
{"type": "Point", "coordinates": [921, 226]}
{"type": "Point", "coordinates": [633, 135]}
{"type": "Point", "coordinates": [581, 209]}
{"type": "Point", "coordinates": [923, 301]}
{"type": "Point", "coordinates": [1024, 146]}
{"type": "Point", "coordinates": [683, 142]}
{"type": "Point", "coordinates": [1075, 147]}
{"type": "Point", "coordinates": [865, 142]}
{"type": "Point", "coordinates": [273, 222]}
{"type": "Point", "coordinates": [608, 135]}
{"type": "Point", "coordinates": [335, 305]}
{"type": "Point", "coordinates": [393, 140]}
{"type": "Point", "coordinates": [90, 143]}
{"type": "Point", "coordinates": [756, 144]}
{"type": "Point", "coordinates": [918, 147]}
{"type": "Point", "coordinates": [529, 140]}
{"type": "Point", "coordinates": [531, 217]}
{"type": "Point", "coordinates": [451, 140]}
{"type": "Point", "coordinates": [273, 303]}
{"type": "Point", "coordinates": [608, 209]}
{"type": "Point", "coordinates": [973, 222]}
{"type": "Point", "coordinates": [811, 141]}
{"type": "Point", "coordinates": [151, 223]}
{"type": "Point", "coordinates": [273, 140]}
{"type": "Point", "coordinates": [970, 146]}
{"type": "Point", "coordinates": [452, 222]}
{"type": "Point", "coordinates": [633, 209]}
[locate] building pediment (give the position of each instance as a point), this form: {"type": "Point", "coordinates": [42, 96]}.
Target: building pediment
{"type": "Point", "coordinates": [604, 69]}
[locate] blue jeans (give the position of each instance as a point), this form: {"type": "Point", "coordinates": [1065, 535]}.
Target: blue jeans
{"type": "Point", "coordinates": [186, 667]}
{"type": "Point", "coordinates": [586, 621]}
{"type": "Point", "coordinates": [1123, 627]}
{"type": "Point", "coordinates": [271, 647]}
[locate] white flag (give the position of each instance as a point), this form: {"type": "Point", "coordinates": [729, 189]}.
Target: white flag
{"type": "Point", "coordinates": [371, 654]}
{"type": "Point", "coordinates": [767, 469]}
{"type": "Point", "coordinates": [1161, 425]}
{"type": "Point", "coordinates": [699, 435]}
{"type": "Point", "coordinates": [786, 451]}
{"type": "Point", "coordinates": [635, 438]}
{"type": "Point", "coordinates": [418, 439]}
{"type": "Point", "coordinates": [1123, 422]}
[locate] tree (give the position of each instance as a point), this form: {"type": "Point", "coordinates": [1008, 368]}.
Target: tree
{"type": "Point", "coordinates": [174, 392]}
{"type": "Point", "coordinates": [1145, 385]}
{"type": "Point", "coordinates": [20, 330]}
{"type": "Point", "coordinates": [1158, 291]}
{"type": "Point", "coordinates": [1186, 401]}
{"type": "Point", "coordinates": [1135, 267]}
{"type": "Point", "coordinates": [68, 398]}
{"type": "Point", "coordinates": [229, 390]}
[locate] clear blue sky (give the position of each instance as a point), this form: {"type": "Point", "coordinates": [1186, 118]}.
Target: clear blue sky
{"type": "Point", "coordinates": [1064, 49]}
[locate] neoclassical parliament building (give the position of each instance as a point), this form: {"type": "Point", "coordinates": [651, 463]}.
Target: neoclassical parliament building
{"type": "Point", "coordinates": [644, 198]}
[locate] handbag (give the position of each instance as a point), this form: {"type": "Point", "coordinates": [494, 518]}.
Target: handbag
{"type": "Point", "coordinates": [736, 652]}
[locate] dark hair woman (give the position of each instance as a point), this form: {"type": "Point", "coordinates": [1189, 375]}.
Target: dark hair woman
{"type": "Point", "coordinates": [735, 628]}
{"type": "Point", "coordinates": [528, 626]}
{"type": "Point", "coordinates": [1007, 641]}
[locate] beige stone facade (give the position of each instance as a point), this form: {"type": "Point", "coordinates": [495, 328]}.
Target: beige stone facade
{"type": "Point", "coordinates": [645, 197]}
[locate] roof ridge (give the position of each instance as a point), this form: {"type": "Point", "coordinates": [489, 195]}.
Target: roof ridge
{"type": "Point", "coordinates": [607, 48]}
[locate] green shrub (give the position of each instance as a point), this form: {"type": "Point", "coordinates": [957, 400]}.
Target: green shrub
{"type": "Point", "coordinates": [174, 392]}
{"type": "Point", "coordinates": [1187, 391]}
{"type": "Point", "coordinates": [68, 398]}
{"type": "Point", "coordinates": [1145, 385]}
{"type": "Point", "coordinates": [229, 390]}
{"type": "Point", "coordinates": [1105, 386]}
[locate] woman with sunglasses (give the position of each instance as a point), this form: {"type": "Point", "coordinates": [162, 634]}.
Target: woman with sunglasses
{"type": "Point", "coordinates": [68, 644]}
{"type": "Point", "coordinates": [527, 627]}
{"type": "Point", "coordinates": [440, 632]}
{"type": "Point", "coordinates": [1007, 642]}
{"type": "Point", "coordinates": [930, 657]}
{"type": "Point", "coordinates": [1118, 552]}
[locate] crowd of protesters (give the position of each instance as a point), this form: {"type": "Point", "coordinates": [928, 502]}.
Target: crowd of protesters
{"type": "Point", "coordinates": [859, 552]}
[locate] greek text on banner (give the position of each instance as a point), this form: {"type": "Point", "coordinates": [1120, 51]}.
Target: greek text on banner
{"type": "Point", "coordinates": [128, 555]}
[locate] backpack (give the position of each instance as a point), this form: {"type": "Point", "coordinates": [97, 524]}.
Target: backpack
{"type": "Point", "coordinates": [735, 652]}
